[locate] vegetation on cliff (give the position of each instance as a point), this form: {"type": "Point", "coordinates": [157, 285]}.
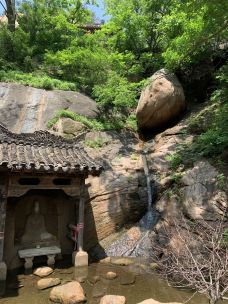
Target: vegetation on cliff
{"type": "Point", "coordinates": [50, 48]}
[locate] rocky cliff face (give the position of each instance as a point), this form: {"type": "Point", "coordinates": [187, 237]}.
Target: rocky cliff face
{"type": "Point", "coordinates": [193, 189]}
{"type": "Point", "coordinates": [118, 196]}
{"type": "Point", "coordinates": [26, 109]}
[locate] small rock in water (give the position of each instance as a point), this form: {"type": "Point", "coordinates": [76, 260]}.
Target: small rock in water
{"type": "Point", "coordinates": [47, 283]}
{"type": "Point", "coordinates": [43, 271]}
{"type": "Point", "coordinates": [127, 279]}
{"type": "Point", "coordinates": [94, 279]}
{"type": "Point", "coordinates": [110, 275]}
{"type": "Point", "coordinates": [70, 293]}
{"type": "Point", "coordinates": [110, 299]}
{"type": "Point", "coordinates": [122, 261]}
{"type": "Point", "coordinates": [106, 260]}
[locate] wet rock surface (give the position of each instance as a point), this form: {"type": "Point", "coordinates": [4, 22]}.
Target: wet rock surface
{"type": "Point", "coordinates": [48, 282]}
{"type": "Point", "coordinates": [70, 293]}
{"type": "Point", "coordinates": [111, 299]}
{"type": "Point", "coordinates": [111, 275]}
{"type": "Point", "coordinates": [43, 271]}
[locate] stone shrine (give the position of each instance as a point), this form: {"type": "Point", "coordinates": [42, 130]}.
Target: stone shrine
{"type": "Point", "coordinates": [42, 190]}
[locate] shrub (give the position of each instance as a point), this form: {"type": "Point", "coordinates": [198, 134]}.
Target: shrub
{"type": "Point", "coordinates": [36, 80]}
{"type": "Point", "coordinates": [131, 122]}
{"type": "Point", "coordinates": [215, 139]}
{"type": "Point", "coordinates": [175, 160]}
{"type": "Point", "coordinates": [98, 143]}
{"type": "Point", "coordinates": [93, 124]}
{"type": "Point", "coordinates": [117, 92]}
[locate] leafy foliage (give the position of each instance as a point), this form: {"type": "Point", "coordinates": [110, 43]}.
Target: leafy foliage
{"type": "Point", "coordinates": [117, 92]}
{"type": "Point", "coordinates": [36, 80]}
{"type": "Point", "coordinates": [50, 49]}
{"type": "Point", "coordinates": [98, 143]}
{"type": "Point", "coordinates": [93, 124]}
{"type": "Point", "coordinates": [175, 160]}
{"type": "Point", "coordinates": [193, 30]}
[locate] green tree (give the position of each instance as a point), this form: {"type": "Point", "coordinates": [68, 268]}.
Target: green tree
{"type": "Point", "coordinates": [133, 28]}
{"type": "Point", "coordinates": [52, 24]}
{"type": "Point", "coordinates": [193, 30]}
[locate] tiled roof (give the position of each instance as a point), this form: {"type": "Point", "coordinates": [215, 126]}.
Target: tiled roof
{"type": "Point", "coordinates": [42, 151]}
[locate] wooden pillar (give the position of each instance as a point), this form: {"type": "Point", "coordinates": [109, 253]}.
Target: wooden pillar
{"type": "Point", "coordinates": [3, 203]}
{"type": "Point", "coordinates": [81, 215]}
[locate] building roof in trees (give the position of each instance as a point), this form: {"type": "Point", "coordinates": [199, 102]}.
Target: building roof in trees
{"type": "Point", "coordinates": [41, 152]}
{"type": "Point", "coordinates": [91, 27]}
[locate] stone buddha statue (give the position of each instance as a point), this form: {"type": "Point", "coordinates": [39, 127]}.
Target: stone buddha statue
{"type": "Point", "coordinates": [35, 229]}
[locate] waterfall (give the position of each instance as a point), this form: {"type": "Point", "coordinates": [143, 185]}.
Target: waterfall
{"type": "Point", "coordinates": [149, 219]}
{"type": "Point", "coordinates": [142, 247]}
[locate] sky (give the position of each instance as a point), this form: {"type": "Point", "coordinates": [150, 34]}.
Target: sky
{"type": "Point", "coordinates": [99, 11]}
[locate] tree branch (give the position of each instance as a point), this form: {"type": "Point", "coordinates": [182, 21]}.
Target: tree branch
{"type": "Point", "coordinates": [2, 5]}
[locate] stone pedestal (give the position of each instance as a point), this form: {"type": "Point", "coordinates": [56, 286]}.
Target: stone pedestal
{"type": "Point", "coordinates": [51, 260]}
{"type": "Point", "coordinates": [81, 259]}
{"type": "Point", "coordinates": [29, 263]}
{"type": "Point", "coordinates": [3, 271]}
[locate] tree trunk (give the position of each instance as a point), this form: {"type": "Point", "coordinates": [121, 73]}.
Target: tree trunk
{"type": "Point", "coordinates": [11, 14]}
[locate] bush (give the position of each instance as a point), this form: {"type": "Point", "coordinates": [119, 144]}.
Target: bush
{"type": "Point", "coordinates": [215, 139]}
{"type": "Point", "coordinates": [117, 92]}
{"type": "Point", "coordinates": [175, 160]}
{"type": "Point", "coordinates": [98, 143]}
{"type": "Point", "coordinates": [36, 80]}
{"type": "Point", "coordinates": [93, 124]}
{"type": "Point", "coordinates": [131, 122]}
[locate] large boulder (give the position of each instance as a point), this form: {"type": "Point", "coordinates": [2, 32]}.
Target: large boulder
{"type": "Point", "coordinates": [27, 109]}
{"type": "Point", "coordinates": [161, 101]}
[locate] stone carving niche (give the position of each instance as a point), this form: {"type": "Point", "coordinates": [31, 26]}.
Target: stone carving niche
{"type": "Point", "coordinates": [35, 233]}
{"type": "Point", "coordinates": [38, 218]}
